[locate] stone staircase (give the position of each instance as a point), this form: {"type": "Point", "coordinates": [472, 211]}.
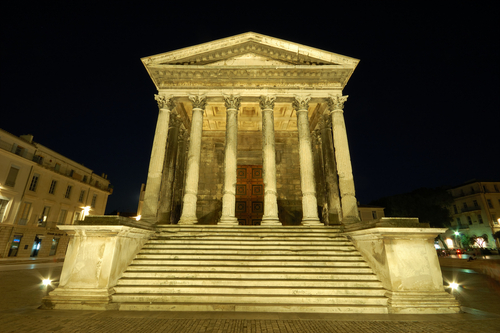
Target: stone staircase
{"type": "Point", "coordinates": [250, 269]}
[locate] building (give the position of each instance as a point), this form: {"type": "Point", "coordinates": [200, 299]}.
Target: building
{"type": "Point", "coordinates": [475, 211]}
{"type": "Point", "coordinates": [40, 189]}
{"type": "Point", "coordinates": [250, 202]}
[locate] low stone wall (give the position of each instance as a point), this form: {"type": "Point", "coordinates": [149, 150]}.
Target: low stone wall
{"type": "Point", "coordinates": [483, 266]}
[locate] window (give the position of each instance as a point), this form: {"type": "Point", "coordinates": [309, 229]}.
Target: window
{"type": "Point", "coordinates": [494, 218]}
{"type": "Point", "coordinates": [490, 204]}
{"type": "Point", "coordinates": [57, 167]}
{"type": "Point", "coordinates": [25, 212]}
{"type": "Point", "coordinates": [472, 190]}
{"type": "Point", "coordinates": [3, 208]}
{"type": "Point", "coordinates": [68, 191]}
{"type": "Point", "coordinates": [45, 214]}
{"type": "Point", "coordinates": [34, 182]}
{"type": "Point", "coordinates": [374, 214]}
{"type": "Point", "coordinates": [94, 199]}
{"type": "Point", "coordinates": [19, 150]}
{"type": "Point", "coordinates": [62, 216]}
{"type": "Point", "coordinates": [469, 220]}
{"type": "Point", "coordinates": [12, 176]}
{"type": "Point", "coordinates": [52, 187]}
{"type": "Point", "coordinates": [82, 194]}
{"type": "Point", "coordinates": [476, 204]}
{"type": "Point", "coordinates": [465, 205]}
{"type": "Point", "coordinates": [459, 223]}
{"type": "Point", "coordinates": [84, 179]}
{"type": "Point", "coordinates": [496, 188]}
{"type": "Point", "coordinates": [76, 217]}
{"type": "Point", "coordinates": [455, 209]}
{"type": "Point", "coordinates": [480, 218]}
{"type": "Point", "coordinates": [53, 247]}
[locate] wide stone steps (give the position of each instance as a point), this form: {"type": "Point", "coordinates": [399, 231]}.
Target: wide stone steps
{"type": "Point", "coordinates": [240, 262]}
{"type": "Point", "coordinates": [341, 258]}
{"type": "Point", "coordinates": [252, 290]}
{"type": "Point", "coordinates": [282, 269]}
{"type": "Point", "coordinates": [252, 307]}
{"type": "Point", "coordinates": [245, 283]}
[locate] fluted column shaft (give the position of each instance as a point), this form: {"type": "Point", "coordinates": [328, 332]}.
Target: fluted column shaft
{"type": "Point", "coordinates": [344, 168]}
{"type": "Point", "coordinates": [193, 165]}
{"type": "Point", "coordinates": [332, 186]}
{"type": "Point", "coordinates": [269, 162]}
{"type": "Point", "coordinates": [151, 196]}
{"type": "Point", "coordinates": [230, 161]}
{"type": "Point", "coordinates": [308, 186]}
{"type": "Point", "coordinates": [165, 206]}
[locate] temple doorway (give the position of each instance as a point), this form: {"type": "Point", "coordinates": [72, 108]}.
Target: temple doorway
{"type": "Point", "coordinates": [249, 195]}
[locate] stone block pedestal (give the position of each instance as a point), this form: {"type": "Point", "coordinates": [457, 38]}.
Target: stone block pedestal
{"type": "Point", "coordinates": [405, 260]}
{"type": "Point", "coordinates": [96, 258]}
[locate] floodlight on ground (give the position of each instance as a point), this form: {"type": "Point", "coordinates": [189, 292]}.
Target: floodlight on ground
{"type": "Point", "coordinates": [453, 285]}
{"type": "Point", "coordinates": [457, 233]}
{"type": "Point", "coordinates": [46, 282]}
{"type": "Point", "coordinates": [138, 217]}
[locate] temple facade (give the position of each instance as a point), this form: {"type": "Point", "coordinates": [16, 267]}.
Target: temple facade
{"type": "Point", "coordinates": [250, 131]}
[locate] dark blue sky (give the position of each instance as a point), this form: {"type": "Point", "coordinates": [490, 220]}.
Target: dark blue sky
{"type": "Point", "coordinates": [423, 111]}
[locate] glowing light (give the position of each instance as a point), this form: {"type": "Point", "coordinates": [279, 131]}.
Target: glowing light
{"type": "Point", "coordinates": [86, 211]}
{"type": "Point", "coordinates": [457, 233]}
{"type": "Point", "coordinates": [449, 242]}
{"type": "Point", "coordinates": [453, 285]}
{"type": "Point", "coordinates": [46, 282]}
{"type": "Point", "coordinates": [138, 217]}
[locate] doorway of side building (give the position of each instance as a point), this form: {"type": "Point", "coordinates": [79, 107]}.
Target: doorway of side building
{"type": "Point", "coordinates": [249, 194]}
{"type": "Point", "coordinates": [36, 246]}
{"type": "Point", "coordinates": [14, 246]}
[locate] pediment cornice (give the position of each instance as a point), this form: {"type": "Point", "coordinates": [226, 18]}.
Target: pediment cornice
{"type": "Point", "coordinates": [250, 42]}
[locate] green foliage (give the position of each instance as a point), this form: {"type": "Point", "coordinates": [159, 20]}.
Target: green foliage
{"type": "Point", "coordinates": [467, 241]}
{"type": "Point", "coordinates": [430, 205]}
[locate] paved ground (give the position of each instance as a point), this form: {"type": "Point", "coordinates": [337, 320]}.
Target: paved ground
{"type": "Point", "coordinates": [20, 296]}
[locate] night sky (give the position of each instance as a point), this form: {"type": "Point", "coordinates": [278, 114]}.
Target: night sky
{"type": "Point", "coordinates": [423, 107]}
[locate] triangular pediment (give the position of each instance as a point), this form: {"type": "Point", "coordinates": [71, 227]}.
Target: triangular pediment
{"type": "Point", "coordinates": [238, 49]}
{"type": "Point", "coordinates": [250, 59]}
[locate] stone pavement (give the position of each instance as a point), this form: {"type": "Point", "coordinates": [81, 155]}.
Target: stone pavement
{"type": "Point", "coordinates": [21, 294]}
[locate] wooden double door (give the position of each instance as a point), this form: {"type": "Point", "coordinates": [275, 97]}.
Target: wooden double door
{"type": "Point", "coordinates": [249, 194]}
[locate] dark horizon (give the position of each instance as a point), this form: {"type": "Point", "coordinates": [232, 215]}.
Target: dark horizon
{"type": "Point", "coordinates": [423, 107]}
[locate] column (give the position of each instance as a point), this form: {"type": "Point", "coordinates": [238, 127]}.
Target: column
{"type": "Point", "coordinates": [332, 185]}
{"type": "Point", "coordinates": [150, 206]}
{"type": "Point", "coordinates": [179, 178]}
{"type": "Point", "coordinates": [308, 186]}
{"type": "Point", "coordinates": [343, 159]}
{"type": "Point", "coordinates": [165, 205]}
{"type": "Point", "coordinates": [193, 165]}
{"type": "Point", "coordinates": [230, 161]}
{"type": "Point", "coordinates": [269, 162]}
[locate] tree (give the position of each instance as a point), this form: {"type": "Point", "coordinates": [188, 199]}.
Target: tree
{"type": "Point", "coordinates": [430, 205]}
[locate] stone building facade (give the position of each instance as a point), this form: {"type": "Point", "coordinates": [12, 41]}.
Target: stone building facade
{"type": "Point", "coordinates": [476, 211]}
{"type": "Point", "coordinates": [40, 189]}
{"type": "Point", "coordinates": [250, 104]}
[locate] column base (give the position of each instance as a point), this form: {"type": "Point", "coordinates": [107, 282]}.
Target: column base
{"type": "Point", "coordinates": [423, 302]}
{"type": "Point", "coordinates": [80, 299]}
{"type": "Point", "coordinates": [270, 221]}
{"type": "Point", "coordinates": [311, 221]}
{"type": "Point", "coordinates": [188, 220]}
{"type": "Point", "coordinates": [228, 220]}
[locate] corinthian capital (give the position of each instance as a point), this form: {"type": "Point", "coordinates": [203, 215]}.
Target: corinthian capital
{"type": "Point", "coordinates": [198, 101]}
{"type": "Point", "coordinates": [165, 102]}
{"type": "Point", "coordinates": [301, 103]}
{"type": "Point", "coordinates": [267, 102]}
{"type": "Point", "coordinates": [232, 101]}
{"type": "Point", "coordinates": [336, 102]}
